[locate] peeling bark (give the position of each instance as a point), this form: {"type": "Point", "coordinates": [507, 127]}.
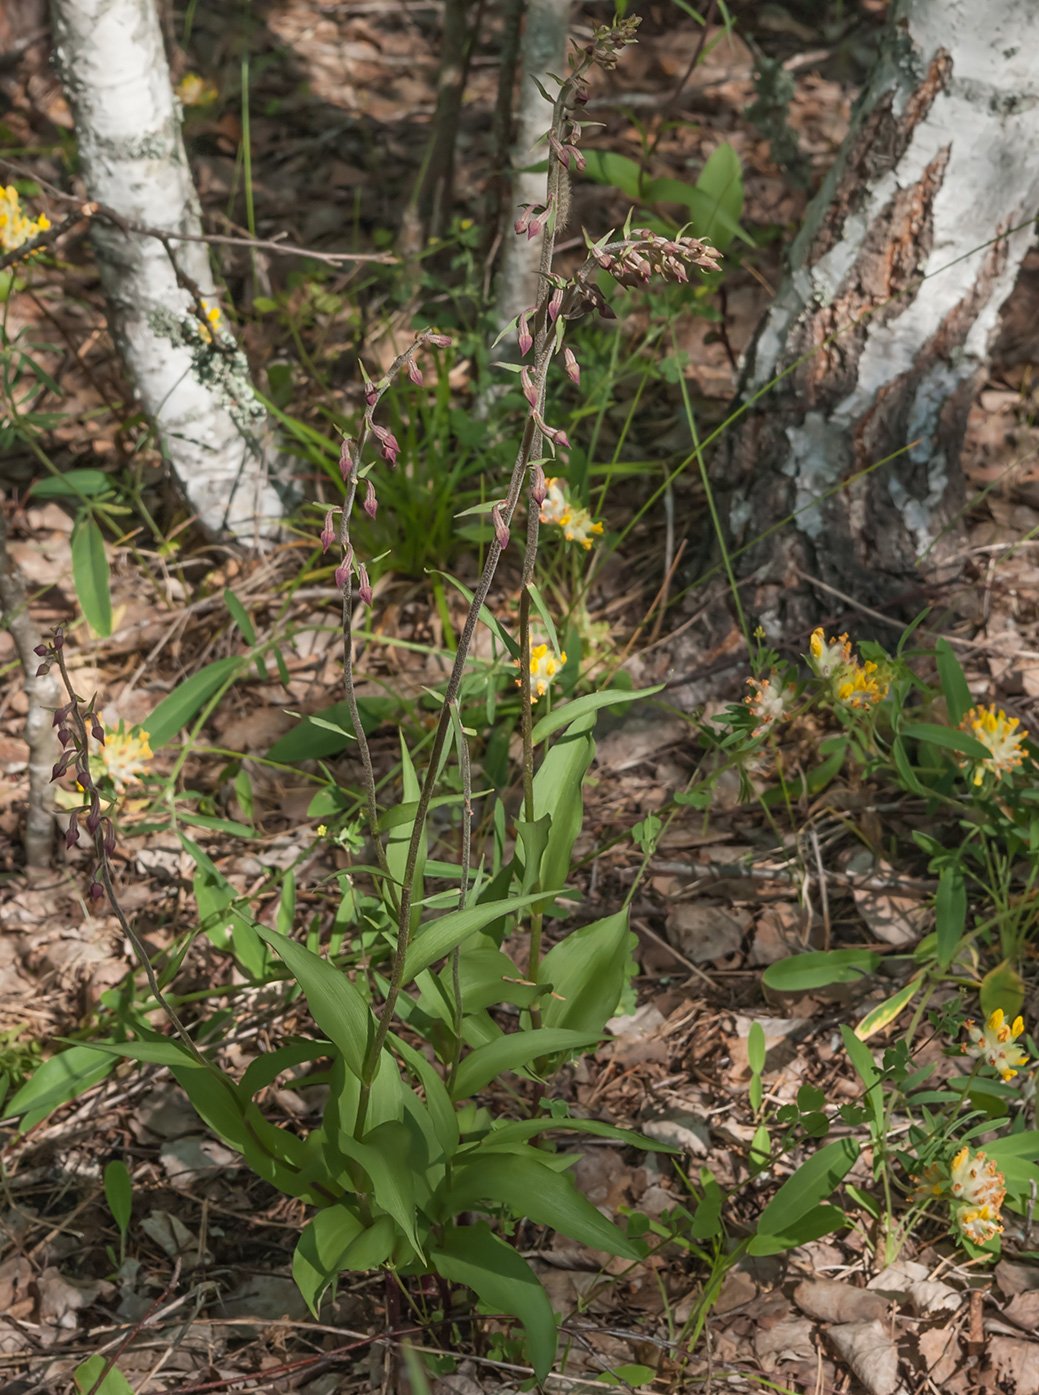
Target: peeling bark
{"type": "Point", "coordinates": [113, 67]}
{"type": "Point", "coordinates": [914, 240]}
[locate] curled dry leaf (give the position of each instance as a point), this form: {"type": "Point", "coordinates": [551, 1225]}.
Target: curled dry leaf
{"type": "Point", "coordinates": [790, 1340]}
{"type": "Point", "coordinates": [871, 1354]}
{"type": "Point", "coordinates": [941, 1351]}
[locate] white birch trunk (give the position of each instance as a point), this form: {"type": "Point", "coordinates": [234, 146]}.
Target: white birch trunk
{"type": "Point", "coordinates": [211, 429]}
{"type": "Point", "coordinates": [543, 51]}
{"type": "Point", "coordinates": [942, 158]}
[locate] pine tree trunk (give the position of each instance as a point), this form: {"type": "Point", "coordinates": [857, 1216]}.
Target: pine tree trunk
{"type": "Point", "coordinates": [210, 427]}
{"type": "Point", "coordinates": [916, 238]}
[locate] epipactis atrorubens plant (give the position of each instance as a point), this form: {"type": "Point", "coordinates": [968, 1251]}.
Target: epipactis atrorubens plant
{"type": "Point", "coordinates": [405, 1165]}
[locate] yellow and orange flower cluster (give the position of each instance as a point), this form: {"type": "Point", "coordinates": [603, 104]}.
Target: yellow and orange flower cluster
{"type": "Point", "coordinates": [576, 523]}
{"type": "Point", "coordinates": [212, 313]}
{"type": "Point", "coordinates": [999, 734]}
{"type": "Point", "coordinates": [15, 227]}
{"type": "Point", "coordinates": [974, 1188]}
{"type": "Point", "coordinates": [996, 1044]}
{"type": "Point", "coordinates": [859, 685]}
{"type": "Point", "coordinates": [124, 757]}
{"type": "Point", "coordinates": [769, 700]}
{"type": "Point", "coordinates": [196, 91]}
{"type": "Point", "coordinates": [544, 666]}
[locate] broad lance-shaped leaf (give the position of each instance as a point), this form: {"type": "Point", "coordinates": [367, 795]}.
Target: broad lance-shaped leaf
{"type": "Point", "coordinates": [511, 1052]}
{"type": "Point", "coordinates": [175, 711]}
{"type": "Point", "coordinates": [588, 970]}
{"type": "Point", "coordinates": [815, 1179]}
{"type": "Point", "coordinates": [90, 573]}
{"type": "Point", "coordinates": [473, 1255]}
{"type": "Point", "coordinates": [439, 937]}
{"type": "Point", "coordinates": [529, 1188]}
{"type": "Point", "coordinates": [335, 1003]}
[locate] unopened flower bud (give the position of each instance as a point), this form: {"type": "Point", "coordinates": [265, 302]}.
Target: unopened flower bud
{"type": "Point", "coordinates": [538, 484]}
{"type": "Point", "coordinates": [64, 736]}
{"type": "Point", "coordinates": [371, 503]}
{"type": "Point", "coordinates": [41, 651]}
{"type": "Point", "coordinates": [59, 639]}
{"type": "Point", "coordinates": [109, 838]}
{"type": "Point", "coordinates": [573, 368]}
{"type": "Point", "coordinates": [364, 586]}
{"type": "Point", "coordinates": [328, 532]}
{"type": "Point", "coordinates": [72, 832]}
{"type": "Point", "coordinates": [342, 574]}
{"type": "Point", "coordinates": [63, 764]}
{"type": "Point", "coordinates": [522, 223]}
{"type": "Point", "coordinates": [414, 372]}
{"type": "Point", "coordinates": [501, 531]}
{"type": "Point", "coordinates": [93, 818]}
{"type": "Point", "coordinates": [439, 341]}
{"type": "Point", "coordinates": [97, 891]}
{"type": "Point", "coordinates": [524, 336]}
{"type": "Point", "coordinates": [536, 225]}
{"type": "Point", "coordinates": [555, 304]}
{"type": "Point", "coordinates": [97, 731]}
{"type": "Point", "coordinates": [43, 670]}
{"type": "Point", "coordinates": [529, 391]}
{"type": "Point", "coordinates": [388, 443]}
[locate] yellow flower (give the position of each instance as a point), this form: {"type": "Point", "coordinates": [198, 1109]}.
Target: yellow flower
{"type": "Point", "coordinates": [975, 1189]}
{"type": "Point", "coordinates": [555, 506]}
{"type": "Point", "coordinates": [998, 734]}
{"type": "Point", "coordinates": [978, 1223]}
{"type": "Point", "coordinates": [768, 700]}
{"type": "Point", "coordinates": [212, 313]}
{"type": "Point", "coordinates": [125, 755]}
{"type": "Point", "coordinates": [195, 91]}
{"type": "Point", "coordinates": [996, 1044]}
{"type": "Point", "coordinates": [15, 226]}
{"type": "Point", "coordinates": [543, 668]}
{"type": "Point", "coordinates": [858, 685]}
{"type": "Point", "coordinates": [828, 655]}
{"type": "Point", "coordinates": [322, 829]}
{"type": "Point", "coordinates": [576, 523]}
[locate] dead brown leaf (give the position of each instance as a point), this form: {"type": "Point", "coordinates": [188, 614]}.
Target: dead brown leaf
{"type": "Point", "coordinates": [1017, 1363]}
{"type": "Point", "coordinates": [790, 1340]}
{"type": "Point", "coordinates": [870, 1353]}
{"type": "Point", "coordinates": [1023, 1309]}
{"type": "Point", "coordinates": [941, 1351]}
{"type": "Point", "coordinates": [830, 1300]}
{"type": "Point", "coordinates": [704, 930]}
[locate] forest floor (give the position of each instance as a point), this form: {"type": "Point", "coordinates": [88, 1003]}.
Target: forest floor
{"type": "Point", "coordinates": [342, 95]}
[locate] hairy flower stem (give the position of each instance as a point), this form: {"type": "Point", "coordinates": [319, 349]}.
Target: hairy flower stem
{"type": "Point", "coordinates": [90, 790]}
{"type": "Point", "coordinates": [465, 769]}
{"type": "Point", "coordinates": [530, 449]}
{"type": "Point", "coordinates": [363, 748]}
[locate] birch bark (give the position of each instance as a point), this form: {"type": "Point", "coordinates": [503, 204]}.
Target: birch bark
{"type": "Point", "coordinates": [542, 51]}
{"type": "Point", "coordinates": [921, 225]}
{"type": "Point", "coordinates": [211, 429]}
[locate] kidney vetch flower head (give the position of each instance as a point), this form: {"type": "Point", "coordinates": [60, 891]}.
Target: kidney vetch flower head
{"type": "Point", "coordinates": [974, 1188]}
{"type": "Point", "coordinates": [15, 227]}
{"type": "Point", "coordinates": [124, 757]}
{"type": "Point", "coordinates": [999, 735]}
{"type": "Point", "coordinates": [543, 668]}
{"type": "Point", "coordinates": [851, 682]}
{"type": "Point", "coordinates": [769, 700]}
{"type": "Point", "coordinates": [996, 1044]}
{"type": "Point", "coordinates": [576, 523]}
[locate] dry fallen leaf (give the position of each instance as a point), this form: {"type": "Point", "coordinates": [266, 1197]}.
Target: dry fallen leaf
{"type": "Point", "coordinates": [830, 1300]}
{"type": "Point", "coordinates": [1017, 1363]}
{"type": "Point", "coordinates": [898, 920]}
{"type": "Point", "coordinates": [870, 1353]}
{"type": "Point", "coordinates": [704, 930]}
{"type": "Point", "coordinates": [1016, 1278]}
{"type": "Point", "coordinates": [1023, 1310]}
{"type": "Point", "coordinates": [932, 1296]}
{"type": "Point", "coordinates": [787, 1341]}
{"type": "Point", "coordinates": [941, 1351]}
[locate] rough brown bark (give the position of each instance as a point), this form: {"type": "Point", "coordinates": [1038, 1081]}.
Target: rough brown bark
{"type": "Point", "coordinates": [884, 321]}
